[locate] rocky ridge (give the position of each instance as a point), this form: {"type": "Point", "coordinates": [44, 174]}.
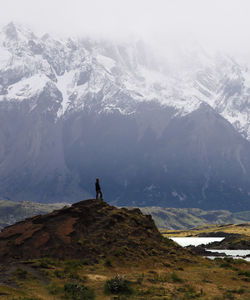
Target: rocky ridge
{"type": "Point", "coordinates": [88, 230]}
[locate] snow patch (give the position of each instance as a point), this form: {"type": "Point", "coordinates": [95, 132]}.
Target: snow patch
{"type": "Point", "coordinates": [106, 62]}
{"type": "Point", "coordinates": [5, 58]}
{"type": "Point", "coordinates": [27, 87]}
{"type": "Point", "coordinates": [65, 84]}
{"type": "Point", "coordinates": [181, 197]}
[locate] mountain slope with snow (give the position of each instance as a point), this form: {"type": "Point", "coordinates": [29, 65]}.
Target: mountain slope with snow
{"type": "Point", "coordinates": [157, 131]}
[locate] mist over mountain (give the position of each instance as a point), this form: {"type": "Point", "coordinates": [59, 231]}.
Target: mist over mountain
{"type": "Point", "coordinates": [166, 131]}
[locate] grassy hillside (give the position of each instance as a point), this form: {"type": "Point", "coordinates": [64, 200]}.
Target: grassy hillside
{"type": "Point", "coordinates": [185, 218]}
{"type": "Point", "coordinates": [107, 253]}
{"type": "Point", "coordinates": [12, 212]}
{"type": "Point", "coordinates": [212, 230]}
{"type": "Point", "coordinates": [165, 218]}
{"type": "Point", "coordinates": [181, 279]}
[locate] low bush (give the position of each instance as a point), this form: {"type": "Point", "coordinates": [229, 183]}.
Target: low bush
{"type": "Point", "coordinates": [239, 291]}
{"type": "Point", "coordinates": [45, 263]}
{"type": "Point", "coordinates": [118, 285]}
{"type": "Point", "coordinates": [189, 292]}
{"type": "Point", "coordinates": [73, 263]}
{"type": "Point", "coordinates": [20, 273]}
{"type": "Point", "coordinates": [54, 289]}
{"type": "Point", "coordinates": [244, 273]}
{"type": "Point", "coordinates": [176, 278]}
{"type": "Point", "coordinates": [140, 279]}
{"type": "Point", "coordinates": [226, 265]}
{"type": "Point", "coordinates": [108, 262]}
{"type": "Point", "coordinates": [78, 292]}
{"type": "Point", "coordinates": [60, 274]}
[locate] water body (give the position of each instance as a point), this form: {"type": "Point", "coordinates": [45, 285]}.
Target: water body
{"type": "Point", "coordinates": [195, 241]}
{"type": "Point", "coordinates": [233, 253]}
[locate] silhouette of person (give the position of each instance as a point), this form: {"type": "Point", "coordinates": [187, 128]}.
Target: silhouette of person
{"type": "Point", "coordinates": [98, 189]}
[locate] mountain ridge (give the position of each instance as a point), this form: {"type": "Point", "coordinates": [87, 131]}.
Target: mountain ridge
{"type": "Point", "coordinates": [155, 131]}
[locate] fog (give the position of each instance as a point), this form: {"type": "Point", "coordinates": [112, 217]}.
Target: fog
{"type": "Point", "coordinates": [221, 24]}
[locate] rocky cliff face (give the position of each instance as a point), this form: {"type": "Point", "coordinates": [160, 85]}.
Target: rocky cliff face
{"type": "Point", "coordinates": [157, 132]}
{"type": "Point", "coordinates": [90, 230]}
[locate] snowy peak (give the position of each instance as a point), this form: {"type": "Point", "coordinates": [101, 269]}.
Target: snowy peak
{"type": "Point", "coordinates": [10, 31]}
{"type": "Point", "coordinates": [119, 76]}
{"type": "Point", "coordinates": [13, 35]}
{"type": "Point", "coordinates": [141, 119]}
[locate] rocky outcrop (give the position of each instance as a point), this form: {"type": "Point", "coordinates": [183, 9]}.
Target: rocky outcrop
{"type": "Point", "coordinates": [200, 250]}
{"type": "Point", "coordinates": [232, 242]}
{"type": "Point", "coordinates": [90, 230]}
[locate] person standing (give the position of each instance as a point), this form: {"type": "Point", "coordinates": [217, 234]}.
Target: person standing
{"type": "Point", "coordinates": [98, 188]}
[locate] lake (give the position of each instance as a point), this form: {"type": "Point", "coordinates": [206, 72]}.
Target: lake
{"type": "Point", "coordinates": [233, 253]}
{"type": "Point", "coordinates": [196, 241]}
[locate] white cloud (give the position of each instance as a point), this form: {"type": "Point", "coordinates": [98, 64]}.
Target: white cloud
{"type": "Point", "coordinates": [216, 22]}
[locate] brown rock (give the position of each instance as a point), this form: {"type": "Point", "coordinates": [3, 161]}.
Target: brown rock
{"type": "Point", "coordinates": [88, 229]}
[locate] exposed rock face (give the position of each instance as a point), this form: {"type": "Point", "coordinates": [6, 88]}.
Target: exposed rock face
{"type": "Point", "coordinates": [90, 229]}
{"type": "Point", "coordinates": [200, 250]}
{"type": "Point", "coordinates": [156, 132]}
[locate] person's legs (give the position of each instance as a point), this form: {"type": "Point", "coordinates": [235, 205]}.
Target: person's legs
{"type": "Point", "coordinates": [99, 193]}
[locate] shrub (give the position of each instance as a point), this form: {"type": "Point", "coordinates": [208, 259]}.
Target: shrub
{"type": "Point", "coordinates": [238, 291]}
{"type": "Point", "coordinates": [85, 262]}
{"type": "Point", "coordinates": [74, 275]}
{"type": "Point", "coordinates": [108, 263]}
{"type": "Point", "coordinates": [45, 263]}
{"type": "Point", "coordinates": [60, 274]}
{"type": "Point", "coordinates": [20, 273]}
{"type": "Point", "coordinates": [72, 266]}
{"type": "Point", "coordinates": [73, 263]}
{"type": "Point", "coordinates": [50, 261]}
{"type": "Point", "coordinates": [176, 278]}
{"type": "Point", "coordinates": [226, 265]}
{"type": "Point", "coordinates": [78, 292]}
{"type": "Point", "coordinates": [229, 259]}
{"type": "Point", "coordinates": [239, 261]}
{"type": "Point", "coordinates": [54, 289]}
{"type": "Point", "coordinates": [228, 295]}
{"type": "Point", "coordinates": [244, 273]}
{"type": "Point", "coordinates": [140, 279]}
{"type": "Point", "coordinates": [189, 292]}
{"type": "Point", "coordinates": [117, 285]}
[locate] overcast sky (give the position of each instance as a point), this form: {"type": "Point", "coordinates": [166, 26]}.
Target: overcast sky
{"type": "Point", "coordinates": [224, 23]}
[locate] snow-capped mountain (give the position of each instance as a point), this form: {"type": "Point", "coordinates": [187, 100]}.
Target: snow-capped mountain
{"type": "Point", "coordinates": [158, 131]}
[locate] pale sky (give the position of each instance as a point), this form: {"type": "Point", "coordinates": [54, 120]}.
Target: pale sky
{"type": "Point", "coordinates": [224, 23]}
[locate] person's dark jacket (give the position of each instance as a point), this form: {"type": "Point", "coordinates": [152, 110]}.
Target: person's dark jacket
{"type": "Point", "coordinates": [97, 186]}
